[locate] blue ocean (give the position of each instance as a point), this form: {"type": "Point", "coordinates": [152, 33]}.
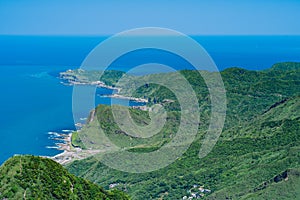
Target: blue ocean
{"type": "Point", "coordinates": [33, 102]}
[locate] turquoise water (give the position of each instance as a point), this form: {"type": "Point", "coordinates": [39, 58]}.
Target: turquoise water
{"type": "Point", "coordinates": [33, 102]}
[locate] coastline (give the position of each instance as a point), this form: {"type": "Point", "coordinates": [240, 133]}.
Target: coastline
{"type": "Point", "coordinates": [119, 96]}
{"type": "Point", "coordinates": [70, 153]}
{"type": "Point", "coordinates": [93, 83]}
{"type": "Point", "coordinates": [71, 78]}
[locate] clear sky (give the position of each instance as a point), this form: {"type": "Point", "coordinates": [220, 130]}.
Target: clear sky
{"type": "Point", "coordinates": [194, 17]}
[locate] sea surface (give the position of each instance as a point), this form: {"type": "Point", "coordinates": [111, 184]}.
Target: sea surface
{"type": "Point", "coordinates": [33, 102]}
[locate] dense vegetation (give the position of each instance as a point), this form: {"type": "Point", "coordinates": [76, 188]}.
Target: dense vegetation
{"type": "Point", "coordinates": [31, 177]}
{"type": "Point", "coordinates": [88, 138]}
{"type": "Point", "coordinates": [259, 143]}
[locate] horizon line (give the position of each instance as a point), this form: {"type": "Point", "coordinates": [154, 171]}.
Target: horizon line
{"type": "Point", "coordinates": [109, 35]}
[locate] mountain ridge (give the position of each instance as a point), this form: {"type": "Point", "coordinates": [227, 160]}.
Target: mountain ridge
{"type": "Point", "coordinates": [32, 177]}
{"type": "Point", "coordinates": [259, 140]}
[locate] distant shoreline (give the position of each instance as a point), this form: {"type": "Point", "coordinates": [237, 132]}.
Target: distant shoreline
{"type": "Point", "coordinates": [72, 77]}
{"type": "Point", "coordinates": [94, 83]}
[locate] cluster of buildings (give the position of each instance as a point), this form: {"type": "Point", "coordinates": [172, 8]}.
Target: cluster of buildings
{"type": "Point", "coordinates": [196, 192]}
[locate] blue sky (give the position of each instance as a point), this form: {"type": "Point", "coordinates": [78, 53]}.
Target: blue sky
{"type": "Point", "coordinates": [193, 17]}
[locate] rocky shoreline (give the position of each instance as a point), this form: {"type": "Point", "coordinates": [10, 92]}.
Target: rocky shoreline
{"type": "Point", "coordinates": [119, 96]}
{"type": "Point", "coordinates": [73, 77]}
{"type": "Point", "coordinates": [70, 153]}
{"type": "Point", "coordinates": [70, 79]}
{"type": "Point", "coordinates": [99, 84]}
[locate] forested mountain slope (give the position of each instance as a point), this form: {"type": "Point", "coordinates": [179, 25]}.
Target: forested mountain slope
{"type": "Point", "coordinates": [260, 139]}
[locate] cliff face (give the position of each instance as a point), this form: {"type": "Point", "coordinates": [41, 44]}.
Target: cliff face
{"type": "Point", "coordinates": [91, 116]}
{"type": "Point", "coordinates": [31, 177]}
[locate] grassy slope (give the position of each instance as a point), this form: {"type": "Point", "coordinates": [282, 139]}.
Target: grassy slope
{"type": "Point", "coordinates": [31, 177]}
{"type": "Point", "coordinates": [260, 140]}
{"type": "Point", "coordinates": [88, 138]}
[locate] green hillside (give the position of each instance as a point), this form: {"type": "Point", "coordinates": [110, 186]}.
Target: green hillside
{"type": "Point", "coordinates": [283, 186]}
{"type": "Point", "coordinates": [233, 169]}
{"type": "Point", "coordinates": [31, 177]}
{"type": "Point", "coordinates": [260, 140]}
{"type": "Point", "coordinates": [88, 138]}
